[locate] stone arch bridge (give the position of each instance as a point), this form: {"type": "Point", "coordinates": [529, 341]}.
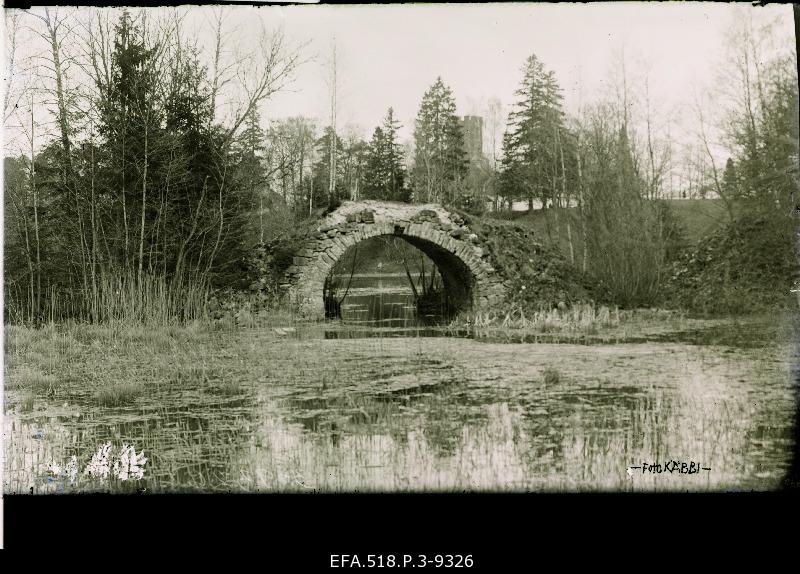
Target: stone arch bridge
{"type": "Point", "coordinates": [468, 276]}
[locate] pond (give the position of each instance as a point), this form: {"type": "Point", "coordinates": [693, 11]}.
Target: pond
{"type": "Point", "coordinates": [379, 300]}
{"type": "Point", "coordinates": [382, 300]}
{"type": "Point", "coordinates": [353, 406]}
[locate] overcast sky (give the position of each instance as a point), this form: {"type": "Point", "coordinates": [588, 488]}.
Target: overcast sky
{"type": "Point", "coordinates": [389, 55]}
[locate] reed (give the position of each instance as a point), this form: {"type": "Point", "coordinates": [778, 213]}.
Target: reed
{"type": "Point", "coordinates": [153, 300]}
{"type": "Point", "coordinates": [117, 297]}
{"type": "Point", "coordinates": [583, 318]}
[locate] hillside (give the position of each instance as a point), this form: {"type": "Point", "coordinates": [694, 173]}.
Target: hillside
{"type": "Point", "coordinates": [697, 217]}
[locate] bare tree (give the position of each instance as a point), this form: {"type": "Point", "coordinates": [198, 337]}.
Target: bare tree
{"type": "Point", "coordinates": [57, 62]}
{"type": "Point", "coordinates": [35, 196]}
{"type": "Point", "coordinates": [333, 82]}
{"type": "Point", "coordinates": [263, 73]}
{"type": "Point", "coordinates": [703, 136]}
{"type": "Point", "coordinates": [224, 67]}
{"type": "Point", "coordinates": [11, 97]}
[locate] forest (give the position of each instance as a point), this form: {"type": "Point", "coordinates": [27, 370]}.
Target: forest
{"type": "Point", "coordinates": [134, 194]}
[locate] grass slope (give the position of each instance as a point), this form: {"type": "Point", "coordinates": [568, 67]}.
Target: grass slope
{"type": "Point", "coordinates": [697, 217]}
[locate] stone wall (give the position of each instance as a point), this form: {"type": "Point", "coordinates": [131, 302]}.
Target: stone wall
{"type": "Point", "coordinates": [462, 260]}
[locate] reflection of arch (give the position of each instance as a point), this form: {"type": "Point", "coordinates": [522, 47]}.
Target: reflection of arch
{"type": "Point", "coordinates": [467, 275]}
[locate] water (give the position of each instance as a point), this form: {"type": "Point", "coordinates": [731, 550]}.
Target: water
{"type": "Point", "coordinates": [381, 300]}
{"type": "Point", "coordinates": [299, 410]}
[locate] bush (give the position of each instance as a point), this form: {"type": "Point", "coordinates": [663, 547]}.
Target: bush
{"type": "Point", "coordinates": [631, 250]}
{"type": "Point", "coordinates": [747, 266]}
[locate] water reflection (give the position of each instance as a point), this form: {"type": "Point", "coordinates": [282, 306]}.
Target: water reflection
{"type": "Point", "coordinates": [382, 300]}
{"type": "Point", "coordinates": [430, 414]}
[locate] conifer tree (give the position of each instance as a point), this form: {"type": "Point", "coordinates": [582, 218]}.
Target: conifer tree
{"type": "Point", "coordinates": [322, 171]}
{"type": "Point", "coordinates": [532, 149]}
{"type": "Point", "coordinates": [385, 177]}
{"type": "Point", "coordinates": [440, 160]}
{"type": "Point", "coordinates": [251, 164]}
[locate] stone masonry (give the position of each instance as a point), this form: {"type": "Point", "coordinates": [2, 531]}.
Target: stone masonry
{"type": "Point", "coordinates": [464, 264]}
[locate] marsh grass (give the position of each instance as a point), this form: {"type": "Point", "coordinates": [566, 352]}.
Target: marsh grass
{"type": "Point", "coordinates": [18, 339]}
{"type": "Point", "coordinates": [551, 376]}
{"type": "Point", "coordinates": [32, 379]}
{"type": "Point", "coordinates": [113, 363]}
{"type": "Point", "coordinates": [227, 387]}
{"type": "Point", "coordinates": [376, 415]}
{"type": "Point", "coordinates": [27, 403]}
{"type": "Point", "coordinates": [250, 316]}
{"type": "Point", "coordinates": [202, 372]}
{"type": "Point", "coordinates": [585, 318]}
{"type": "Point", "coordinates": [579, 322]}
{"type": "Point", "coordinates": [118, 394]}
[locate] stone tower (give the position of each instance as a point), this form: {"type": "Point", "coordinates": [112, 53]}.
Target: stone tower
{"type": "Point", "coordinates": [473, 138]}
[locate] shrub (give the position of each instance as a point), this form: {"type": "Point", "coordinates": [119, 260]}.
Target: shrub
{"type": "Point", "coordinates": [746, 266]}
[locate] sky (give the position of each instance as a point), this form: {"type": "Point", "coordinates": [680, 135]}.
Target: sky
{"type": "Point", "coordinates": [389, 55]}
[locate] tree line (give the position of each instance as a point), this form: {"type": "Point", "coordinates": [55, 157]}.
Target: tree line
{"type": "Point", "coordinates": [139, 195]}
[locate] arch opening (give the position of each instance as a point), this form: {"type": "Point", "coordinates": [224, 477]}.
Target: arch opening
{"type": "Point", "coordinates": [469, 280]}
{"type": "Point", "coordinates": [397, 279]}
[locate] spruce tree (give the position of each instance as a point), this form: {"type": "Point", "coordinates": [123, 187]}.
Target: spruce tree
{"type": "Point", "coordinates": [532, 148]}
{"type": "Point", "coordinates": [375, 176]}
{"type": "Point", "coordinates": [251, 165]}
{"type": "Point", "coordinates": [730, 180]}
{"type": "Point", "coordinates": [511, 182]}
{"type": "Point", "coordinates": [322, 170]}
{"type": "Point", "coordinates": [440, 160]}
{"type": "Point", "coordinates": [385, 177]}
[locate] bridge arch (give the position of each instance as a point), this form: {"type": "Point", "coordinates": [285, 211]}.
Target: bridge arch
{"type": "Point", "coordinates": [467, 274]}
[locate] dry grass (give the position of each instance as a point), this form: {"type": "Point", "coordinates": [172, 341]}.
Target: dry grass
{"type": "Point", "coordinates": [585, 318]}
{"type": "Point", "coordinates": [118, 297]}
{"type": "Point", "coordinates": [579, 321]}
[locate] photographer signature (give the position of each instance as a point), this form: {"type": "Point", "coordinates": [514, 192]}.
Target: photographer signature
{"type": "Point", "coordinates": [668, 467]}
